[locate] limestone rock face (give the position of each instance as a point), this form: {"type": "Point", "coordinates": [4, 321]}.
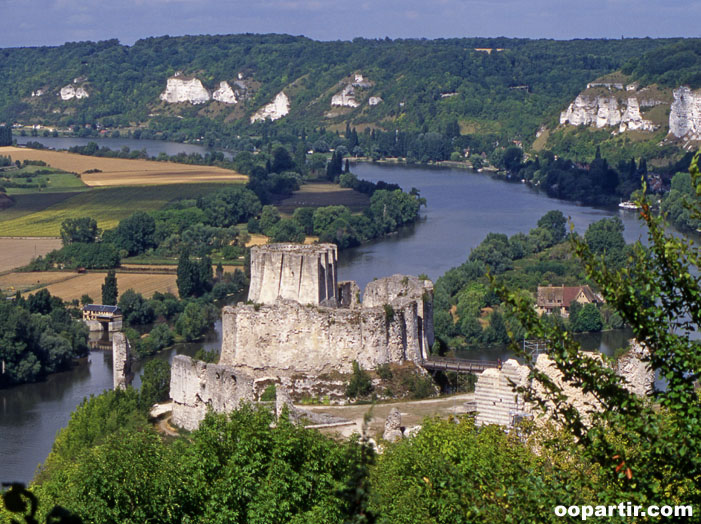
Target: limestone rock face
{"type": "Point", "coordinates": [346, 98]}
{"type": "Point", "coordinates": [69, 92]}
{"type": "Point", "coordinates": [225, 94]}
{"type": "Point", "coordinates": [393, 426]}
{"type": "Point", "coordinates": [180, 89]}
{"type": "Point", "coordinates": [121, 361]}
{"type": "Point", "coordinates": [634, 368]}
{"type": "Point", "coordinates": [196, 386]}
{"type": "Point", "coordinates": [605, 111]}
{"type": "Point", "coordinates": [374, 100]}
{"type": "Point", "coordinates": [685, 114]}
{"type": "Point", "coordinates": [275, 110]}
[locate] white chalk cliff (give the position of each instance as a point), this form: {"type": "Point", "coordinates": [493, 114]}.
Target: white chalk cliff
{"type": "Point", "coordinates": [685, 114]}
{"type": "Point", "coordinates": [346, 98]}
{"type": "Point", "coordinates": [374, 100]}
{"type": "Point", "coordinates": [68, 92]}
{"type": "Point", "coordinates": [605, 111]}
{"type": "Point", "coordinates": [179, 89]}
{"type": "Point", "coordinates": [278, 108]}
{"type": "Point", "coordinates": [225, 94]}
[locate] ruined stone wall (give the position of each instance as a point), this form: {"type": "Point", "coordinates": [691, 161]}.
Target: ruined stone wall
{"type": "Point", "coordinates": [121, 361]}
{"type": "Point", "coordinates": [387, 290]}
{"type": "Point", "coordinates": [290, 338]}
{"type": "Point", "coordinates": [306, 274]}
{"type": "Point", "coordinates": [495, 400]}
{"type": "Point", "coordinates": [196, 386]}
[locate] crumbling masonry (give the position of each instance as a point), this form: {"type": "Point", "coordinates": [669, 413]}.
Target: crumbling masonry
{"type": "Point", "coordinates": [301, 323]}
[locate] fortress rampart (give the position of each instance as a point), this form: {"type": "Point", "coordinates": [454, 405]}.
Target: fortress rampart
{"type": "Point", "coordinates": [301, 322]}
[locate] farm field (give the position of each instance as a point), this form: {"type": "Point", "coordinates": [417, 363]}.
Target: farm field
{"type": "Point", "coordinates": [107, 205]}
{"type": "Point", "coordinates": [28, 204]}
{"type": "Point", "coordinates": [323, 194]}
{"type": "Point", "coordinates": [70, 285]}
{"type": "Point", "coordinates": [167, 268]}
{"type": "Point", "coordinates": [124, 172]}
{"type": "Point", "coordinates": [17, 252]}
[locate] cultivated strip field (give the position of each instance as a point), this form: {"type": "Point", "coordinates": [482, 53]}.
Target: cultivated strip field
{"type": "Point", "coordinates": [16, 252]}
{"type": "Point", "coordinates": [70, 285]}
{"type": "Point", "coordinates": [323, 194]}
{"type": "Point", "coordinates": [108, 206]}
{"type": "Point", "coordinates": [123, 172]}
{"type": "Point", "coordinates": [27, 204]}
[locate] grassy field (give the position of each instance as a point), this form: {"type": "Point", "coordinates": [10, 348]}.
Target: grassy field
{"type": "Point", "coordinates": [55, 183]}
{"type": "Point", "coordinates": [70, 285]}
{"type": "Point", "coordinates": [124, 172]}
{"type": "Point", "coordinates": [108, 206]}
{"type": "Point", "coordinates": [16, 252]}
{"type": "Point", "coordinates": [323, 194]}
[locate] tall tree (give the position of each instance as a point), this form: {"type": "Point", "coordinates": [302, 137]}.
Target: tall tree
{"type": "Point", "coordinates": [186, 279]}
{"type": "Point", "coordinates": [83, 229]}
{"type": "Point", "coordinates": [109, 289]}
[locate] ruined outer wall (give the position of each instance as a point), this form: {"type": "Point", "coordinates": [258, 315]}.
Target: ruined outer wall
{"type": "Point", "coordinates": [306, 274]}
{"type": "Point", "coordinates": [387, 290]}
{"type": "Point", "coordinates": [121, 361]}
{"type": "Point", "coordinates": [195, 386]}
{"type": "Point", "coordinates": [495, 399]}
{"type": "Point", "coordinates": [290, 338]}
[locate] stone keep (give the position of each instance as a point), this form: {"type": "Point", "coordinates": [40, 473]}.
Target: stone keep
{"type": "Point", "coordinates": [305, 274]}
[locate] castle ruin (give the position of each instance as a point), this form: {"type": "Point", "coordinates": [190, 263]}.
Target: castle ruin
{"type": "Point", "coordinates": [300, 324]}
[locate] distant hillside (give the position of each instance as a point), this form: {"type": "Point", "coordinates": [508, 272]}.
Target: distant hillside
{"type": "Point", "coordinates": [507, 87]}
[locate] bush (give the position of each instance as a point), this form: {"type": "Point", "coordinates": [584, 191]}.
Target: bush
{"type": "Point", "coordinates": [360, 384]}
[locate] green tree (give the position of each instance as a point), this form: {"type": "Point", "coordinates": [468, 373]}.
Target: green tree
{"type": "Point", "coordinates": [135, 234]}
{"type": "Point", "coordinates": [155, 383]}
{"type": "Point", "coordinates": [82, 229]}
{"type": "Point", "coordinates": [186, 276]}
{"type": "Point", "coordinates": [193, 322]}
{"type": "Point", "coordinates": [287, 230]}
{"type": "Point", "coordinates": [554, 221]}
{"type": "Point", "coordinates": [643, 446]}
{"type": "Point", "coordinates": [360, 384]}
{"type": "Point", "coordinates": [268, 218]}
{"type": "Point", "coordinates": [109, 289]}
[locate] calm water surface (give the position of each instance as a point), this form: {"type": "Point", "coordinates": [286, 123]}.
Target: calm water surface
{"type": "Point", "coordinates": [463, 207]}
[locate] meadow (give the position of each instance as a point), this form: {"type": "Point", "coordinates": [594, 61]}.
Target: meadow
{"type": "Point", "coordinates": [321, 194]}
{"type": "Point", "coordinates": [107, 205]}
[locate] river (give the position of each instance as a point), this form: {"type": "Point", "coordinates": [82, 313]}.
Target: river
{"type": "Point", "coordinates": [463, 207]}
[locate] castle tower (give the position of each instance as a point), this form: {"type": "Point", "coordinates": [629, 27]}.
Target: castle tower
{"type": "Point", "coordinates": [303, 273]}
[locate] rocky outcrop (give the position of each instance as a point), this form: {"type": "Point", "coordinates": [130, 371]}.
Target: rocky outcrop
{"type": "Point", "coordinates": [393, 426]}
{"type": "Point", "coordinates": [225, 94]}
{"type": "Point", "coordinates": [180, 89]}
{"type": "Point", "coordinates": [685, 114]}
{"type": "Point", "coordinates": [196, 387]}
{"type": "Point", "coordinates": [346, 98]}
{"type": "Point", "coordinates": [275, 110]}
{"type": "Point", "coordinates": [69, 92]}
{"type": "Point", "coordinates": [606, 111]}
{"type": "Point", "coordinates": [374, 100]}
{"type": "Point", "coordinates": [634, 367]}
{"type": "Point", "coordinates": [121, 361]}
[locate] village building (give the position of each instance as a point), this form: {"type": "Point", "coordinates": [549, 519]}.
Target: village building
{"type": "Point", "coordinates": [99, 317]}
{"type": "Point", "coordinates": [558, 299]}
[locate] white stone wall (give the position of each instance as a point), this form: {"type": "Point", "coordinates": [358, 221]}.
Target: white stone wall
{"type": "Point", "coordinates": [121, 361]}
{"type": "Point", "coordinates": [196, 387]}
{"type": "Point", "coordinates": [305, 274]}
{"type": "Point", "coordinates": [495, 400]}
